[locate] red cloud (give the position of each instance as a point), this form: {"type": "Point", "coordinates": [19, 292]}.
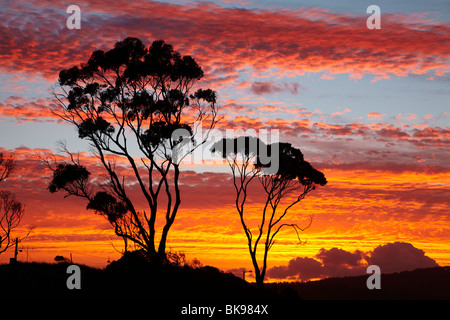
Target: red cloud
{"type": "Point", "coordinates": [373, 146]}
{"type": "Point", "coordinates": [22, 109]}
{"type": "Point", "coordinates": [225, 40]}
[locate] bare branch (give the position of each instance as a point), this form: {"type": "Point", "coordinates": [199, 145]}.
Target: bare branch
{"type": "Point", "coordinates": [6, 167]}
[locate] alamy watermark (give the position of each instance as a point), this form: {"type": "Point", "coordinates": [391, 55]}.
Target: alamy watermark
{"type": "Point", "coordinates": [374, 281]}
{"type": "Point", "coordinates": [374, 21]}
{"type": "Point", "coordinates": [74, 280]}
{"type": "Point", "coordinates": [74, 20]}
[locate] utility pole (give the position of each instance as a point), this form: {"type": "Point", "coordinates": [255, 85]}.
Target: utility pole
{"type": "Point", "coordinates": [243, 273]}
{"type": "Point", "coordinates": [16, 251]}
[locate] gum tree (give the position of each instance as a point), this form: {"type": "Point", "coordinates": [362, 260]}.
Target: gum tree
{"type": "Point", "coordinates": [135, 107]}
{"type": "Point", "coordinates": [286, 180]}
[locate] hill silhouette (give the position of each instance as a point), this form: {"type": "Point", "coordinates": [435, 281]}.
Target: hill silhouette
{"type": "Point", "coordinates": [166, 289]}
{"type": "Point", "coordinates": [133, 277]}
{"type": "Point", "coordinates": [427, 283]}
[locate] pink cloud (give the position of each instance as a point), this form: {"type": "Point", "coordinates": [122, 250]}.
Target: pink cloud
{"type": "Point", "coordinates": [22, 109]}
{"type": "Point", "coordinates": [279, 42]}
{"type": "Point", "coordinates": [376, 115]}
{"type": "Point", "coordinates": [326, 76]}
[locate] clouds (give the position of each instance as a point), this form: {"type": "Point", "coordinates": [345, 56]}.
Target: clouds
{"type": "Point", "coordinates": [400, 256]}
{"type": "Point", "coordinates": [335, 262]}
{"type": "Point", "coordinates": [266, 46]}
{"type": "Point", "coordinates": [368, 146]}
{"type": "Point", "coordinates": [374, 146]}
{"type": "Point", "coordinates": [376, 115]}
{"type": "Point", "coordinates": [265, 87]}
{"type": "Point", "coordinates": [227, 39]}
{"type": "Point", "coordinates": [336, 256]}
{"type": "Point", "coordinates": [298, 268]}
{"type": "Point", "coordinates": [327, 263]}
{"type": "Point", "coordinates": [20, 109]}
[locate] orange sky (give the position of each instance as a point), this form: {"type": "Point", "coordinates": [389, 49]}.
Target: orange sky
{"type": "Point", "coordinates": [356, 210]}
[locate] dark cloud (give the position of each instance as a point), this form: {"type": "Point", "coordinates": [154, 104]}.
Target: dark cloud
{"type": "Point", "coordinates": [399, 256]}
{"type": "Point", "coordinates": [299, 268]}
{"type": "Point", "coordinates": [266, 87]}
{"type": "Point", "coordinates": [336, 256]}
{"type": "Point", "coordinates": [335, 262]}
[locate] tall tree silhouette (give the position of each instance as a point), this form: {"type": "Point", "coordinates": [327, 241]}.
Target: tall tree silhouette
{"type": "Point", "coordinates": [11, 210]}
{"type": "Point", "coordinates": [134, 103]}
{"type": "Point", "coordinates": [287, 177]}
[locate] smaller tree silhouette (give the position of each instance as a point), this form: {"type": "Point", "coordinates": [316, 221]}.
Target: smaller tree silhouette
{"type": "Point", "coordinates": [61, 259]}
{"type": "Point", "coordinates": [6, 167]}
{"type": "Point", "coordinates": [11, 210]}
{"type": "Point", "coordinates": [287, 177]}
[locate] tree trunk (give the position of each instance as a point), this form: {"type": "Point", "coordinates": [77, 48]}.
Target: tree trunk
{"type": "Point", "coordinates": [259, 281]}
{"type": "Point", "coordinates": [258, 276]}
{"type": "Point", "coordinates": [162, 244]}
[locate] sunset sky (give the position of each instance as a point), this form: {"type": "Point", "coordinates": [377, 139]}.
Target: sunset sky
{"type": "Point", "coordinates": [368, 108]}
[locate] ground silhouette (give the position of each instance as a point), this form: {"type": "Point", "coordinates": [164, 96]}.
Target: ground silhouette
{"type": "Point", "coordinates": [131, 277]}
{"type": "Point", "coordinates": [419, 284]}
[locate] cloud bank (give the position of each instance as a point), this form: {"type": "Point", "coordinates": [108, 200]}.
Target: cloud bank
{"type": "Point", "coordinates": [335, 262]}
{"type": "Point", "coordinates": [305, 40]}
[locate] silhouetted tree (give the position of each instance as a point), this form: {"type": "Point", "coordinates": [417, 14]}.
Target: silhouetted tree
{"type": "Point", "coordinates": [11, 210]}
{"type": "Point", "coordinates": [61, 259]}
{"type": "Point", "coordinates": [134, 103]}
{"type": "Point", "coordinates": [286, 177]}
{"type": "Point", "coordinates": [6, 167]}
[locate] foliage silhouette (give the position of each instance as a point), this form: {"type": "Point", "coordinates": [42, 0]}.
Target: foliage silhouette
{"type": "Point", "coordinates": [61, 259]}
{"type": "Point", "coordinates": [287, 175]}
{"type": "Point", "coordinates": [6, 167]}
{"type": "Point", "coordinates": [134, 105]}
